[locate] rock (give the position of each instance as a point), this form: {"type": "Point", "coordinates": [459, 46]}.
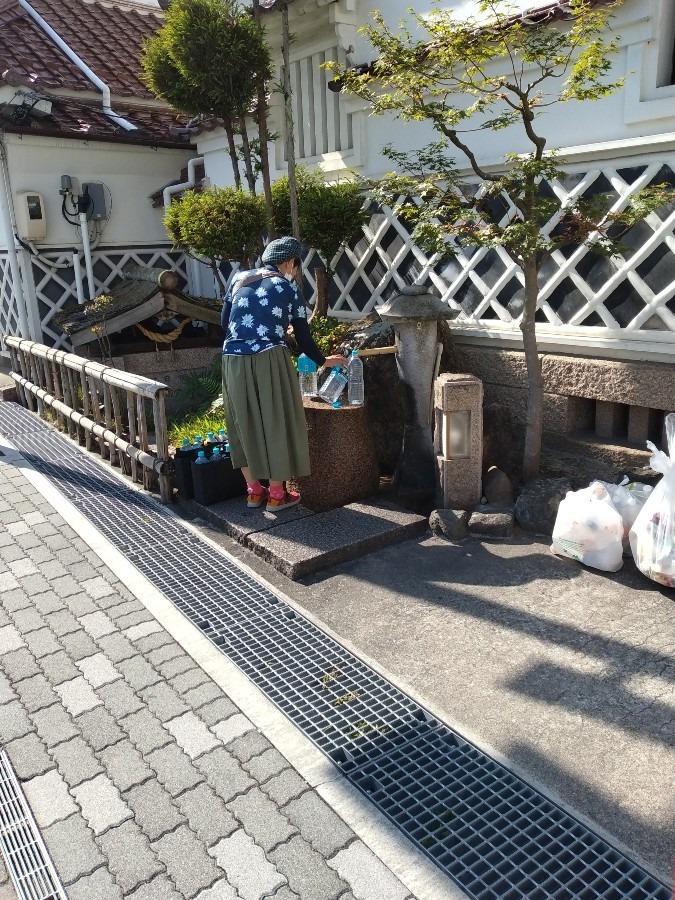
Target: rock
{"type": "Point", "coordinates": [450, 523]}
{"type": "Point", "coordinates": [537, 504]}
{"type": "Point", "coordinates": [497, 487]}
{"type": "Point", "coordinates": [498, 437]}
{"type": "Point", "coordinates": [492, 521]}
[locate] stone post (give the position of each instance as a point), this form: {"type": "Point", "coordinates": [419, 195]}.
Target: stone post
{"type": "Point", "coordinates": [458, 439]}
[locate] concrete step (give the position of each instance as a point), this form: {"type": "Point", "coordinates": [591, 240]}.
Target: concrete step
{"type": "Point", "coordinates": [299, 542]}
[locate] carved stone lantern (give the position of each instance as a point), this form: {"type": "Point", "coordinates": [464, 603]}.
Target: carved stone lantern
{"type": "Point", "coordinates": [414, 313]}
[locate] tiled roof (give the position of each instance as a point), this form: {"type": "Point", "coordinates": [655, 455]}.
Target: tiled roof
{"type": "Point", "coordinates": [25, 48]}
{"type": "Point", "coordinates": [106, 36]}
{"type": "Point", "coordinates": [85, 118]}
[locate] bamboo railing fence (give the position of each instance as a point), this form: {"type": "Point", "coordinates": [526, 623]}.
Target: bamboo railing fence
{"type": "Point", "coordinates": [93, 402]}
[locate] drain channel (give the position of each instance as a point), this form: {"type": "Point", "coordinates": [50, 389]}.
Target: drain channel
{"type": "Point", "coordinates": [492, 833]}
{"type": "Point", "coordinates": [23, 849]}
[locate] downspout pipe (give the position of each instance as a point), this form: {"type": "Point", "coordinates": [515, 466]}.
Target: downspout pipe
{"type": "Point", "coordinates": [8, 228]}
{"type": "Point", "coordinates": [81, 65]}
{"type": "Point", "coordinates": [172, 189]}
{"type": "Point", "coordinates": [167, 194]}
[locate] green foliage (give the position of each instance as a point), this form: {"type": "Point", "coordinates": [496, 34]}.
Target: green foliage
{"type": "Point", "coordinates": [220, 223]}
{"type": "Point", "coordinates": [328, 333]}
{"type": "Point", "coordinates": [165, 81]}
{"type": "Point", "coordinates": [195, 424]}
{"type": "Point", "coordinates": [208, 58]}
{"type": "Point", "coordinates": [329, 214]}
{"type": "Point", "coordinates": [466, 76]}
{"type": "Point", "coordinates": [198, 391]}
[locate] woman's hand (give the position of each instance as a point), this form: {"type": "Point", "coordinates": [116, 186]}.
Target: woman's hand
{"type": "Point", "coordinates": [336, 360]}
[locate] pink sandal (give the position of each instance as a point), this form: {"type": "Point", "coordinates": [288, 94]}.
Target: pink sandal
{"type": "Point", "coordinates": [276, 504]}
{"type": "Point", "coordinates": [255, 501]}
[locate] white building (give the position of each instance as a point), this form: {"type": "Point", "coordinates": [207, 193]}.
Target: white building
{"type": "Point", "coordinates": [72, 104]}
{"type": "Point", "coordinates": [620, 312]}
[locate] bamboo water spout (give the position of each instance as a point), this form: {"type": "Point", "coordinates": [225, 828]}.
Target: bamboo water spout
{"type": "Point", "coordinates": [414, 313]}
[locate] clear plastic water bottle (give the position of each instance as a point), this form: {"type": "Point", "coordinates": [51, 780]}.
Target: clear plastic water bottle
{"type": "Point", "coordinates": [216, 455]}
{"type": "Point", "coordinates": [222, 435]}
{"type": "Point", "coordinates": [211, 439]}
{"type": "Point", "coordinates": [186, 445]}
{"type": "Point", "coordinates": [201, 457]}
{"type": "Point", "coordinates": [198, 441]}
{"type": "Point", "coordinates": [334, 385]}
{"type": "Point", "coordinates": [309, 381]}
{"type": "Point", "coordinates": [226, 451]}
{"type": "Point", "coordinates": [355, 389]}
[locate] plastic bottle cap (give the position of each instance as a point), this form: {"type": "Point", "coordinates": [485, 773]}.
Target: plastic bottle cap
{"type": "Point", "coordinates": [337, 404]}
{"type": "Point", "coordinates": [201, 453]}
{"type": "Point", "coordinates": [186, 442]}
{"type": "Point", "coordinates": [355, 352]}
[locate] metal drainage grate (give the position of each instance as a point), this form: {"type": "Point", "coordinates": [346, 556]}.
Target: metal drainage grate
{"type": "Point", "coordinates": [491, 832]}
{"type": "Point", "coordinates": [23, 849]}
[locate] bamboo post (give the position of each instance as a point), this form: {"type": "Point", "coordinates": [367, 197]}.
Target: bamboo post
{"type": "Point", "coordinates": [35, 378]}
{"type": "Point", "coordinates": [68, 399]}
{"type": "Point", "coordinates": [25, 372]}
{"type": "Point", "coordinates": [70, 375]}
{"type": "Point", "coordinates": [96, 410]}
{"type": "Point", "coordinates": [57, 391]}
{"type": "Point", "coordinates": [16, 367]}
{"type": "Point", "coordinates": [131, 413]}
{"type": "Point", "coordinates": [117, 414]}
{"type": "Point", "coordinates": [108, 418]}
{"type": "Point", "coordinates": [378, 351]}
{"type": "Point", "coordinates": [162, 443]}
{"type": "Point", "coordinates": [86, 407]}
{"type": "Point", "coordinates": [142, 435]}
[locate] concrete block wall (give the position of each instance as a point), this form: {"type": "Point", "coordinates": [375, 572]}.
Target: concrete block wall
{"type": "Point", "coordinates": [621, 401]}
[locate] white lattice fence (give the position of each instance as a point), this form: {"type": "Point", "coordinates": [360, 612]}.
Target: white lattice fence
{"type": "Point", "coordinates": [9, 310]}
{"type": "Point", "coordinates": [630, 296]}
{"type": "Point", "coordinates": [55, 286]}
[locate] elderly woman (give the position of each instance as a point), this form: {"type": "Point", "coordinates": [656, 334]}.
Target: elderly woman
{"type": "Point", "coordinates": [261, 396]}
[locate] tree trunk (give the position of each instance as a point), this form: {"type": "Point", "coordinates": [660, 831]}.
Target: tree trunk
{"type": "Point", "coordinates": [229, 131]}
{"type": "Point", "coordinates": [248, 161]}
{"type": "Point", "coordinates": [215, 268]}
{"type": "Point", "coordinates": [264, 138]}
{"type": "Point", "coordinates": [288, 109]}
{"type": "Point", "coordinates": [535, 384]}
{"type": "Point", "coordinates": [320, 310]}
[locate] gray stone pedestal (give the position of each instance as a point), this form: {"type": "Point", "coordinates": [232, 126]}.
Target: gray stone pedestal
{"type": "Point", "coordinates": [459, 444]}
{"type": "Point", "coordinates": [342, 457]}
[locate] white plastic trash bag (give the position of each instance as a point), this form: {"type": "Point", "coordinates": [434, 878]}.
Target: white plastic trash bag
{"type": "Point", "coordinates": [652, 537]}
{"type": "Point", "coordinates": [589, 529]}
{"type": "Point", "coordinates": [628, 498]}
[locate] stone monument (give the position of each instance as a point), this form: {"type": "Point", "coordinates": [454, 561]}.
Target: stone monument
{"type": "Point", "coordinates": [458, 439]}
{"type": "Point", "coordinates": [415, 314]}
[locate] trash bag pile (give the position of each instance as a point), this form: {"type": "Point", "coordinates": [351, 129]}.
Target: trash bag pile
{"type": "Point", "coordinates": [599, 524]}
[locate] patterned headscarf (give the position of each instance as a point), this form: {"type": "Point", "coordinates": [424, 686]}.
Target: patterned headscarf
{"type": "Point", "coordinates": [280, 250]}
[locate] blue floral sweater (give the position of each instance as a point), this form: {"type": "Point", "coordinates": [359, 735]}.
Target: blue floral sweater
{"type": "Point", "coordinates": [257, 310]}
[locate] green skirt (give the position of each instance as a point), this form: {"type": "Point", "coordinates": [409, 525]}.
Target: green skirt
{"type": "Point", "coordinates": [265, 419]}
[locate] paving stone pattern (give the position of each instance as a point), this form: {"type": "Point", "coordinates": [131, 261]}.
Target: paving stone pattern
{"type": "Point", "coordinates": [146, 780]}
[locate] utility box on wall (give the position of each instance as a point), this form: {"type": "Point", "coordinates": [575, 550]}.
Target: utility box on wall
{"type": "Point", "coordinates": [31, 219]}
{"type": "Point", "coordinates": [99, 207]}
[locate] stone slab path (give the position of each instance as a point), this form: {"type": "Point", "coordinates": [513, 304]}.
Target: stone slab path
{"type": "Point", "coordinates": [146, 779]}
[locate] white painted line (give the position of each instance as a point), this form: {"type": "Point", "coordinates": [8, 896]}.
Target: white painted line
{"type": "Point", "coordinates": [419, 875]}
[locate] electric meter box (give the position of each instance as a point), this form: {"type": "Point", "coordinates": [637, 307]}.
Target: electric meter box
{"type": "Point", "coordinates": [31, 219]}
{"type": "Point", "coordinates": [99, 207]}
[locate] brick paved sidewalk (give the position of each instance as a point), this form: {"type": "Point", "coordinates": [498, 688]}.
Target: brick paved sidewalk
{"type": "Point", "coordinates": [147, 782]}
